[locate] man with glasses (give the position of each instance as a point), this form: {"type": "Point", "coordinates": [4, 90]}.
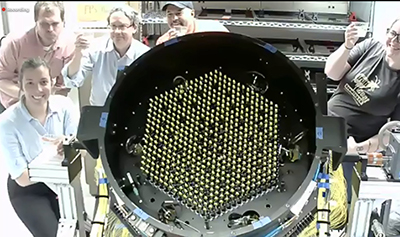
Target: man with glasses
{"type": "Point", "coordinates": [47, 39]}
{"type": "Point", "coordinates": [368, 94]}
{"type": "Point", "coordinates": [107, 56]}
{"type": "Point", "coordinates": [181, 21]}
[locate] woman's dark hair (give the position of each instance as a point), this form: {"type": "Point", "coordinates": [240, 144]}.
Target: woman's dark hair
{"type": "Point", "coordinates": [32, 63]}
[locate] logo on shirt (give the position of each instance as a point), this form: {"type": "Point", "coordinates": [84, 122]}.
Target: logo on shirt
{"type": "Point", "coordinates": [362, 86]}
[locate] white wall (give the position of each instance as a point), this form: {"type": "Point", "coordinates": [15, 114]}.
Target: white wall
{"type": "Point", "coordinates": [20, 21]}
{"type": "Point", "coordinates": [385, 13]}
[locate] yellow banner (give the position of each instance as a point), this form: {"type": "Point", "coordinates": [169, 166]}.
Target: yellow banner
{"type": "Point", "coordinates": [93, 12]}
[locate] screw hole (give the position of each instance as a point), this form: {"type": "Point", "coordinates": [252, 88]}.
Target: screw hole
{"type": "Point", "coordinates": [187, 222]}
{"type": "Point", "coordinates": [268, 206]}
{"type": "Point", "coordinates": [152, 200]}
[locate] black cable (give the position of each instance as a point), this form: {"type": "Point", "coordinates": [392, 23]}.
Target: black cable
{"type": "Point", "coordinates": [98, 222]}
{"type": "Point", "coordinates": [101, 196]}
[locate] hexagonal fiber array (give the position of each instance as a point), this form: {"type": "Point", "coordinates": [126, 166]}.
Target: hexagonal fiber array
{"type": "Point", "coordinates": [212, 144]}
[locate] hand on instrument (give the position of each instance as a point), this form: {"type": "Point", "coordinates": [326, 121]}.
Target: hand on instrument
{"type": "Point", "coordinates": [350, 36]}
{"type": "Point", "coordinates": [60, 147]}
{"type": "Point", "coordinates": [57, 142]}
{"type": "Point", "coordinates": [81, 42]}
{"type": "Point", "coordinates": [354, 148]}
{"type": "Point", "coordinates": [351, 146]}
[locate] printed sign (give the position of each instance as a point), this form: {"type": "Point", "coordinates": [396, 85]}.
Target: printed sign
{"type": "Point", "coordinates": [93, 12]}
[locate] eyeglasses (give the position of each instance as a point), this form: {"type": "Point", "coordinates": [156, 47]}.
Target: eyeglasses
{"type": "Point", "coordinates": [393, 35]}
{"type": "Point", "coordinates": [120, 27]}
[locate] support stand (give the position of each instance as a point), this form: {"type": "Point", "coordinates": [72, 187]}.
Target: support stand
{"type": "Point", "coordinates": [63, 177]}
{"type": "Point", "coordinates": [323, 198]}
{"type": "Point", "coordinates": [366, 195]}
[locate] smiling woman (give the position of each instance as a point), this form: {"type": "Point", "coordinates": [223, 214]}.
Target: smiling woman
{"type": "Point", "coordinates": [36, 85]}
{"type": "Point", "coordinates": [368, 73]}
{"type": "Point", "coordinates": [369, 88]}
{"type": "Point", "coordinates": [23, 125]}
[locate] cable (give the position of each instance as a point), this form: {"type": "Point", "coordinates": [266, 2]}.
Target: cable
{"type": "Point", "coordinates": [281, 227]}
{"type": "Point", "coordinates": [112, 227]}
{"type": "Point", "coordinates": [99, 221]}
{"type": "Point", "coordinates": [338, 203]}
{"type": "Point", "coordinates": [316, 173]}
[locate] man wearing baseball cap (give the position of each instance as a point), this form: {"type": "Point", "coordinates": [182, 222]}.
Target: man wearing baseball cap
{"type": "Point", "coordinates": [181, 21]}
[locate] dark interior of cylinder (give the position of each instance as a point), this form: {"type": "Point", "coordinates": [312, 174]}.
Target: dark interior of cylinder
{"type": "Point", "coordinates": [208, 122]}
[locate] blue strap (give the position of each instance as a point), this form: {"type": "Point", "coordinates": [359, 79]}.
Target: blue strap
{"type": "Point", "coordinates": [261, 223]}
{"type": "Point", "coordinates": [323, 185]}
{"type": "Point", "coordinates": [323, 176]}
{"type": "Point", "coordinates": [171, 41]}
{"type": "Point", "coordinates": [103, 181]}
{"type": "Point", "coordinates": [141, 213]}
{"type": "Point", "coordinates": [270, 48]}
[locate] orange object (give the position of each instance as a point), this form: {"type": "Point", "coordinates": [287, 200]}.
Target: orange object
{"type": "Point", "coordinates": [352, 17]}
{"type": "Point", "coordinates": [375, 158]}
{"type": "Point", "coordinates": [146, 41]}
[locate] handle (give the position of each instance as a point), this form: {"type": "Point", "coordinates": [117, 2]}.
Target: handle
{"type": "Point", "coordinates": [382, 132]}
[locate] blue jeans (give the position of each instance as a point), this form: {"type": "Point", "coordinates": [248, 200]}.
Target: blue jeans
{"type": "Point", "coordinates": [348, 173]}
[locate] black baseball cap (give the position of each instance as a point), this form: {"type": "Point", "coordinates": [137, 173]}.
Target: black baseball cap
{"type": "Point", "coordinates": [180, 5]}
